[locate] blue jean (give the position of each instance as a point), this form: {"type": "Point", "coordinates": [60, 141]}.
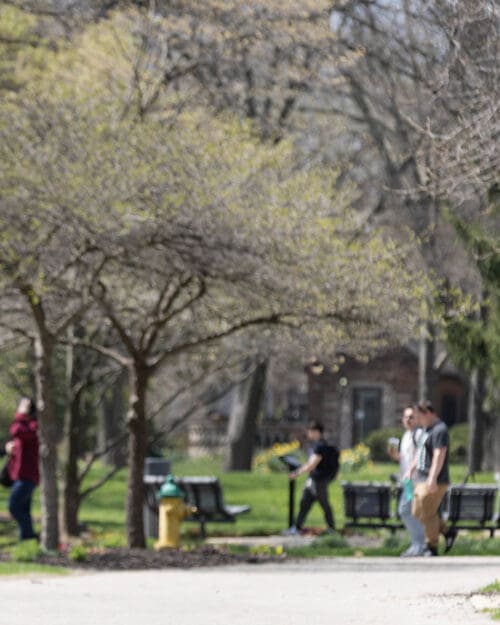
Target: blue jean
{"type": "Point", "coordinates": [414, 527]}
{"type": "Point", "coordinates": [20, 507]}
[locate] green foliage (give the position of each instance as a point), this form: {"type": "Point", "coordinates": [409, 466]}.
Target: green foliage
{"type": "Point", "coordinates": [494, 614]}
{"type": "Point", "coordinates": [468, 343]}
{"type": "Point", "coordinates": [322, 547]}
{"type": "Point", "coordinates": [267, 550]}
{"type": "Point", "coordinates": [15, 39]}
{"type": "Point", "coordinates": [392, 541]}
{"type": "Point", "coordinates": [16, 379]}
{"type": "Point", "coordinates": [376, 442]}
{"type": "Point", "coordinates": [182, 223]}
{"type": "Point", "coordinates": [78, 553]}
{"type": "Point", "coordinates": [267, 494]}
{"type": "Point", "coordinates": [474, 342]}
{"type": "Point", "coordinates": [494, 587]}
{"type": "Point", "coordinates": [113, 540]}
{"type": "Point", "coordinates": [459, 440]}
{"type": "Point", "coordinates": [331, 541]}
{"type": "Point", "coordinates": [473, 545]}
{"type": "Point", "coordinates": [26, 551]}
{"type": "Point", "coordinates": [29, 568]}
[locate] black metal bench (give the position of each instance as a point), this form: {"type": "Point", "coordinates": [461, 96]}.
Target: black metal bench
{"type": "Point", "coordinates": [472, 507]}
{"type": "Point", "coordinates": [205, 493]}
{"type": "Point", "coordinates": [370, 505]}
{"type": "Point", "coordinates": [465, 507]}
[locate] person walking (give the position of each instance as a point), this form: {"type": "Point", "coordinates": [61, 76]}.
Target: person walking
{"type": "Point", "coordinates": [322, 466]}
{"type": "Point", "coordinates": [432, 478]}
{"type": "Point", "coordinates": [23, 466]}
{"type": "Point", "coordinates": [405, 456]}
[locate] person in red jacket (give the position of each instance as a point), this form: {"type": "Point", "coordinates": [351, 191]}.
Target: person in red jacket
{"type": "Point", "coordinates": [23, 466]}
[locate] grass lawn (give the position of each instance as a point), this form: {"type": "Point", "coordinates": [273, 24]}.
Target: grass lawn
{"type": "Point", "coordinates": [26, 568]}
{"type": "Point", "coordinates": [267, 494]}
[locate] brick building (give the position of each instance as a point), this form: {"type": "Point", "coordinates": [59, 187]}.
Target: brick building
{"type": "Point", "coordinates": [358, 397]}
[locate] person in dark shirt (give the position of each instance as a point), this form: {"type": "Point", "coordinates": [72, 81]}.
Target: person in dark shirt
{"type": "Point", "coordinates": [322, 466]}
{"type": "Point", "coordinates": [23, 466]}
{"type": "Point", "coordinates": [432, 478]}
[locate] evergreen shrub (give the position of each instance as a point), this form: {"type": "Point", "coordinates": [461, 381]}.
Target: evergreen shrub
{"type": "Point", "coordinates": [376, 442]}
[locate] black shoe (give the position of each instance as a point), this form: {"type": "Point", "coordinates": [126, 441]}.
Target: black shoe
{"type": "Point", "coordinates": [449, 538]}
{"type": "Point", "coordinates": [430, 552]}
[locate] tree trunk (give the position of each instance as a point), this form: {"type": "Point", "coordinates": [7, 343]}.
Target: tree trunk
{"type": "Point", "coordinates": [477, 390]}
{"type": "Point", "coordinates": [427, 374]}
{"type": "Point", "coordinates": [48, 436]}
{"type": "Point", "coordinates": [110, 426]}
{"type": "Point", "coordinates": [243, 420]}
{"type": "Point", "coordinates": [72, 437]}
{"type": "Point", "coordinates": [136, 422]}
{"type": "Point", "coordinates": [496, 449]}
{"type": "Point", "coordinates": [477, 396]}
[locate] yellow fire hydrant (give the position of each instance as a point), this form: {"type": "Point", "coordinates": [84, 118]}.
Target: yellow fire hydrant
{"type": "Point", "coordinates": [172, 511]}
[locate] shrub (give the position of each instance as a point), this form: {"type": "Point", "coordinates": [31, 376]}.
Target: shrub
{"type": "Point", "coordinates": [355, 458]}
{"type": "Point", "coordinates": [26, 551]}
{"type": "Point", "coordinates": [376, 442]}
{"type": "Point", "coordinates": [78, 553]}
{"type": "Point", "coordinates": [459, 440]}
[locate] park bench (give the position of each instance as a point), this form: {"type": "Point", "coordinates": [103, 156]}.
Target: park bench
{"type": "Point", "coordinates": [472, 507]}
{"type": "Point", "coordinates": [465, 507]}
{"type": "Point", "coordinates": [205, 493]}
{"type": "Point", "coordinates": [370, 505]}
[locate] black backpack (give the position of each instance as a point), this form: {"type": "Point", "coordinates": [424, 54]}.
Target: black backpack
{"type": "Point", "coordinates": [331, 460]}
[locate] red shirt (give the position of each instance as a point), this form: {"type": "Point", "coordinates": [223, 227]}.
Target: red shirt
{"type": "Point", "coordinates": [23, 463]}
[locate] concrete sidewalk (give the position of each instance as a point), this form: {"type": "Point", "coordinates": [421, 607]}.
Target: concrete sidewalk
{"type": "Point", "coordinates": [259, 541]}
{"type": "Point", "coordinates": [347, 591]}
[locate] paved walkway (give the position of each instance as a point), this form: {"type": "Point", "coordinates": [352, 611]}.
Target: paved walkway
{"type": "Point", "coordinates": [343, 591]}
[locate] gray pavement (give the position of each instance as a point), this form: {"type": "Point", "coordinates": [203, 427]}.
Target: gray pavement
{"type": "Point", "coordinates": [342, 591]}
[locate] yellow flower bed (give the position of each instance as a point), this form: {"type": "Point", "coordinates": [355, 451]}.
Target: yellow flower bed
{"type": "Point", "coordinates": [268, 461]}
{"type": "Point", "coordinates": [354, 458]}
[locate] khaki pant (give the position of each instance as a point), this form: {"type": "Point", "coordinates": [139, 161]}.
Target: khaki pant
{"type": "Point", "coordinates": [425, 508]}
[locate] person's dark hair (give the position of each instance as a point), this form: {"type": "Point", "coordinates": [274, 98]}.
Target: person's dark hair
{"type": "Point", "coordinates": [32, 410]}
{"type": "Point", "coordinates": [425, 406]}
{"type": "Point", "coordinates": [315, 425]}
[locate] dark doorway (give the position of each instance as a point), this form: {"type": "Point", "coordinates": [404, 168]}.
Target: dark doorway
{"type": "Point", "coordinates": [449, 409]}
{"type": "Point", "coordinates": [367, 411]}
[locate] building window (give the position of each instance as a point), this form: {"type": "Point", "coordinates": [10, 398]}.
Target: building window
{"type": "Point", "coordinates": [367, 411]}
{"type": "Point", "coordinates": [297, 405]}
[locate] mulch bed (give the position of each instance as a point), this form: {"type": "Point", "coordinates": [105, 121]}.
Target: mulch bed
{"type": "Point", "coordinates": [123, 559]}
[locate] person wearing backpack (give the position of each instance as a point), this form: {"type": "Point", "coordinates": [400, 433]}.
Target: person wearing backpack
{"type": "Point", "coordinates": [322, 466]}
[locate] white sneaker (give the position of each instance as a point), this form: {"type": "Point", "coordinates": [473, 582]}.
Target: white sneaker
{"type": "Point", "coordinates": [411, 552]}
{"type": "Point", "coordinates": [291, 531]}
{"type": "Point", "coordinates": [420, 549]}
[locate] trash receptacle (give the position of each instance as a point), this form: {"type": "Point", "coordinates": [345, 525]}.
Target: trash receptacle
{"type": "Point", "coordinates": [155, 473]}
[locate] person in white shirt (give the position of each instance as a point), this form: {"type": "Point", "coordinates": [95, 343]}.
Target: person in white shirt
{"type": "Point", "coordinates": [405, 456]}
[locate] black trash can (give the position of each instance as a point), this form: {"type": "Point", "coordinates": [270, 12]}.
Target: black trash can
{"type": "Point", "coordinates": [155, 473]}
